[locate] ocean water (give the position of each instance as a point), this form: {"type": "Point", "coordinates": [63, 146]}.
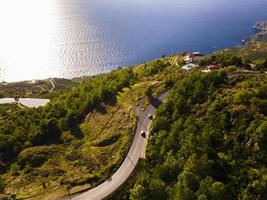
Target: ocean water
{"type": "Point", "coordinates": [69, 38]}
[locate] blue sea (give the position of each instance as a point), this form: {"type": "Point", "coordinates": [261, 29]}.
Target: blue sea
{"type": "Point", "coordinates": [70, 38]}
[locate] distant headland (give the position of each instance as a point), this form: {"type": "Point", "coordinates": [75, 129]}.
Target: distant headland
{"type": "Point", "coordinates": [260, 36]}
{"type": "Point", "coordinates": [261, 25]}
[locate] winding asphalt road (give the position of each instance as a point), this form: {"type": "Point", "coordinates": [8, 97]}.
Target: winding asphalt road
{"type": "Point", "coordinates": [131, 160]}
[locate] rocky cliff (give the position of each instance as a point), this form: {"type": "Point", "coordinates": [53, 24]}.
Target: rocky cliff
{"type": "Point", "coordinates": [261, 25]}
{"type": "Point", "coordinates": [260, 36]}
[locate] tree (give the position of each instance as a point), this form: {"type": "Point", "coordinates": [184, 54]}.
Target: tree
{"type": "Point", "coordinates": [157, 189]}
{"type": "Point", "coordinates": [262, 65]}
{"type": "Point", "coordinates": [243, 96]}
{"type": "Point", "coordinates": [137, 192]}
{"type": "Point", "coordinates": [14, 169]}
{"type": "Point", "coordinates": [210, 189]}
{"type": "Point", "coordinates": [149, 92]}
{"type": "Point", "coordinates": [260, 136]}
{"type": "Point", "coordinates": [186, 186]}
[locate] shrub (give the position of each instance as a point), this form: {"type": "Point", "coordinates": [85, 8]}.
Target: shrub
{"type": "Point", "coordinates": [14, 169]}
{"type": "Point", "coordinates": [2, 185]}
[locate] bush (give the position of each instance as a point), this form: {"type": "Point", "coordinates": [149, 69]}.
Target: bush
{"type": "Point", "coordinates": [149, 91]}
{"type": "Point", "coordinates": [14, 169]}
{"type": "Point", "coordinates": [262, 65]}
{"type": "Point", "coordinates": [2, 185]}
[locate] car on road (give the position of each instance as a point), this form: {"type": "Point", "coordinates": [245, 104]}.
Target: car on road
{"type": "Point", "coordinates": [143, 134]}
{"type": "Point", "coordinates": [150, 117]}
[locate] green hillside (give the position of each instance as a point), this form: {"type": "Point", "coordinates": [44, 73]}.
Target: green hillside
{"type": "Point", "coordinates": [80, 137]}
{"type": "Point", "coordinates": [208, 141]}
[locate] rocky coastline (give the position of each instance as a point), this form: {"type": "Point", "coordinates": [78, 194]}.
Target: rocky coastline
{"type": "Point", "coordinates": [261, 36]}
{"type": "Point", "coordinates": [261, 25]}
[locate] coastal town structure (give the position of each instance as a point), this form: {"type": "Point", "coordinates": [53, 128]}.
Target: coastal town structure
{"type": "Point", "coordinates": [214, 67]}
{"type": "Point", "coordinates": [193, 57]}
{"type": "Point", "coordinates": [191, 60]}
{"type": "Point", "coordinates": [188, 67]}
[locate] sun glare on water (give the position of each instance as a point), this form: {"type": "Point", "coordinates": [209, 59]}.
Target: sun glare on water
{"type": "Point", "coordinates": [27, 35]}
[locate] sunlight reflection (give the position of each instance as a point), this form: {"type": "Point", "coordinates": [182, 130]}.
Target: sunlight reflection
{"type": "Point", "coordinates": [28, 30]}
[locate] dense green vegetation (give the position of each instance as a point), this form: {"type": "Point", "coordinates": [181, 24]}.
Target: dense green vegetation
{"type": "Point", "coordinates": [251, 56]}
{"type": "Point", "coordinates": [225, 60]}
{"type": "Point", "coordinates": [79, 138]}
{"type": "Point", "coordinates": [31, 127]}
{"type": "Point", "coordinates": [208, 141]}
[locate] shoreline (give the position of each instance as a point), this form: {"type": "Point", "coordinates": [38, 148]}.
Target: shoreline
{"type": "Point", "coordinates": [260, 26]}
{"type": "Point", "coordinates": [261, 35]}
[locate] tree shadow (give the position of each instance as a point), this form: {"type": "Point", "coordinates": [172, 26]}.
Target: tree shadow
{"type": "Point", "coordinates": [76, 132]}
{"type": "Point", "coordinates": [155, 102]}
{"type": "Point", "coordinates": [111, 101]}
{"type": "Point", "coordinates": [101, 109]}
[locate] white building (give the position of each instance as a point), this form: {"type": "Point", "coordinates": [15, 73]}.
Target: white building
{"type": "Point", "coordinates": [193, 57]}
{"type": "Point", "coordinates": [188, 67]}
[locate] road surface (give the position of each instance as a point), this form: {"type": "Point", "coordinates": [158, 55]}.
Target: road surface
{"type": "Point", "coordinates": [131, 160]}
{"type": "Point", "coordinates": [53, 85]}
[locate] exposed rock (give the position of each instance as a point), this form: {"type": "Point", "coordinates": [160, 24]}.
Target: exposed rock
{"type": "Point", "coordinates": [260, 36]}
{"type": "Point", "coordinates": [261, 25]}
